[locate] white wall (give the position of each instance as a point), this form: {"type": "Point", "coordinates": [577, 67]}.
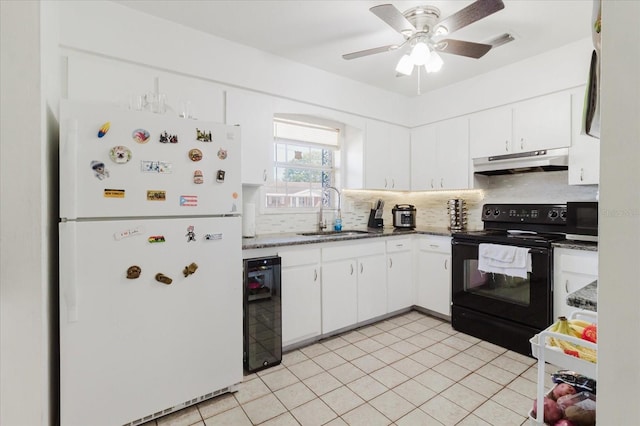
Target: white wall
{"type": "Point", "coordinates": [619, 244]}
{"type": "Point", "coordinates": [24, 287]}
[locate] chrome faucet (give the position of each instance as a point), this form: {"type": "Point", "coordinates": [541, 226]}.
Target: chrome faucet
{"type": "Point", "coordinates": [321, 223]}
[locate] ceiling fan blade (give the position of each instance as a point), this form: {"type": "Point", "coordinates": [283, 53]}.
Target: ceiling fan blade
{"type": "Point", "coordinates": [463, 48]}
{"type": "Point", "coordinates": [368, 52]}
{"type": "Point", "coordinates": [470, 14]}
{"type": "Point", "coordinates": [394, 18]}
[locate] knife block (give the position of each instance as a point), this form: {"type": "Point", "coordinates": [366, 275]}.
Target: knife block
{"type": "Point", "coordinates": [373, 221]}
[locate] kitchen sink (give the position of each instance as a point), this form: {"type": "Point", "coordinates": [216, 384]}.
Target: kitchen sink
{"type": "Point", "coordinates": [345, 233]}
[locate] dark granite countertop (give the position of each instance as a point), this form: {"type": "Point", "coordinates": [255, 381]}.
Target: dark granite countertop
{"type": "Point", "coordinates": [585, 298]}
{"type": "Point", "coordinates": [576, 245]}
{"type": "Point", "coordinates": [292, 238]}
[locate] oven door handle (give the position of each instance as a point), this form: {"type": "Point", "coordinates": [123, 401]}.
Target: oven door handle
{"type": "Point", "coordinates": [537, 250]}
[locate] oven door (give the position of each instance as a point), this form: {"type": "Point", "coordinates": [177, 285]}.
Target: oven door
{"type": "Point", "coordinates": [527, 301]}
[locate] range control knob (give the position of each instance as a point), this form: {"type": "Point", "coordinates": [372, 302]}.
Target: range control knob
{"type": "Point", "coordinates": [496, 212]}
{"type": "Point", "coordinates": [563, 215]}
{"type": "Point", "coordinates": [487, 212]}
{"type": "Point", "coordinates": [553, 214]}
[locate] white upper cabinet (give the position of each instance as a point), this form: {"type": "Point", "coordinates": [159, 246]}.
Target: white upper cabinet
{"type": "Point", "coordinates": [490, 132]}
{"type": "Point", "coordinates": [440, 155]}
{"type": "Point", "coordinates": [254, 114]}
{"type": "Point", "coordinates": [542, 123]}
{"type": "Point", "coordinates": [386, 156]}
{"type": "Point", "coordinates": [584, 154]}
{"type": "Point", "coordinates": [539, 123]}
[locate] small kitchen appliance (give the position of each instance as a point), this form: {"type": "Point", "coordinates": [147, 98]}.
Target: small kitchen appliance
{"type": "Point", "coordinates": [582, 220]}
{"type": "Point", "coordinates": [404, 216]}
{"type": "Point", "coordinates": [509, 305]}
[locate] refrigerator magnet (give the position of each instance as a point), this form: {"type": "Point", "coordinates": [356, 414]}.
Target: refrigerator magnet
{"type": "Point", "coordinates": [198, 177]}
{"type": "Point", "coordinates": [195, 154]}
{"type": "Point", "coordinates": [104, 129]}
{"type": "Point", "coordinates": [191, 235]}
{"type": "Point", "coordinates": [162, 278]}
{"type": "Point", "coordinates": [189, 270]}
{"type": "Point", "coordinates": [155, 195]}
{"type": "Point", "coordinates": [203, 135]}
{"type": "Point", "coordinates": [168, 138]}
{"type": "Point", "coordinates": [150, 166]}
{"type": "Point", "coordinates": [188, 200]}
{"type": "Point", "coordinates": [220, 176]}
{"type": "Point", "coordinates": [133, 272]}
{"type": "Point", "coordinates": [222, 154]}
{"type": "Point", "coordinates": [113, 193]}
{"type": "Point", "coordinates": [99, 171]}
{"type": "Point", "coordinates": [120, 154]}
{"type": "Point", "coordinates": [156, 239]}
{"type": "Point", "coordinates": [140, 136]}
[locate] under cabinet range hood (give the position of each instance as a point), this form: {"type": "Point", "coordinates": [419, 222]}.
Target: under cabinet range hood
{"type": "Point", "coordinates": [543, 160]}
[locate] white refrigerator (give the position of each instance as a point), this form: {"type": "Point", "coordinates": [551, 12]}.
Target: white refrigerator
{"type": "Point", "coordinates": [150, 263]}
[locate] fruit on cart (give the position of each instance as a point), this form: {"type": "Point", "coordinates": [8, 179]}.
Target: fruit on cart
{"type": "Point", "coordinates": [583, 329]}
{"type": "Point", "coordinates": [552, 411]}
{"type": "Point", "coordinates": [562, 326]}
{"type": "Point", "coordinates": [590, 333]}
{"type": "Point", "coordinates": [564, 422]}
{"type": "Point", "coordinates": [581, 416]}
{"type": "Point", "coordinates": [562, 389]}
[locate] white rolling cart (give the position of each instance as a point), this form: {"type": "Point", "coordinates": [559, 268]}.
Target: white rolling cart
{"type": "Point", "coordinates": [545, 354]}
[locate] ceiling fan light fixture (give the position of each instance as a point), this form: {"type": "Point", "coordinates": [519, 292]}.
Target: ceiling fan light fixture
{"type": "Point", "coordinates": [420, 53]}
{"type": "Point", "coordinates": [440, 30]}
{"type": "Point", "coordinates": [434, 64]}
{"type": "Point", "coordinates": [405, 65]}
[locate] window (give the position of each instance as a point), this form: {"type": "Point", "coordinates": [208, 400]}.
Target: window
{"type": "Point", "coordinates": [306, 162]}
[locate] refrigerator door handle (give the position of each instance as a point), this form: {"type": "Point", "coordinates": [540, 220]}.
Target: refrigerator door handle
{"type": "Point", "coordinates": [68, 262]}
{"type": "Point", "coordinates": [69, 161]}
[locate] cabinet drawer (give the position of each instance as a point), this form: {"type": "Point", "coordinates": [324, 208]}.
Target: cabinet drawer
{"type": "Point", "coordinates": [403, 244]}
{"type": "Point", "coordinates": [436, 244]}
{"type": "Point", "coordinates": [587, 264]}
{"type": "Point", "coordinates": [299, 257]}
{"type": "Point", "coordinates": [350, 251]}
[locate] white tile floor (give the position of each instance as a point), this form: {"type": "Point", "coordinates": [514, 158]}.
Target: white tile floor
{"type": "Point", "coordinates": [408, 370]}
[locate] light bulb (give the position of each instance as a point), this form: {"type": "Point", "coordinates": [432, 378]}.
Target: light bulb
{"type": "Point", "coordinates": [434, 63]}
{"type": "Point", "coordinates": [420, 53]}
{"type": "Point", "coordinates": [405, 65]}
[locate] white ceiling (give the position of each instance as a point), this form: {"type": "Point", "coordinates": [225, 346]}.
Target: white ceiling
{"type": "Point", "coordinates": [318, 33]}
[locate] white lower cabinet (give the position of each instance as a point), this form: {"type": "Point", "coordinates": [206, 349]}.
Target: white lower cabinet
{"type": "Point", "coordinates": [301, 289]}
{"type": "Point", "coordinates": [353, 284]}
{"type": "Point", "coordinates": [572, 270]}
{"type": "Point", "coordinates": [400, 285]}
{"type": "Point", "coordinates": [434, 274]}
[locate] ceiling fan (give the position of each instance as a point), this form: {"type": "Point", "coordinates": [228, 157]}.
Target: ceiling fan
{"type": "Point", "coordinates": [425, 33]}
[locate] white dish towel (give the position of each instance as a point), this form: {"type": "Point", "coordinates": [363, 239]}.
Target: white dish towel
{"type": "Point", "coordinates": [507, 260]}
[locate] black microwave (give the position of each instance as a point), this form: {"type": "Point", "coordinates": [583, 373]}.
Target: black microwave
{"type": "Point", "coordinates": [582, 219]}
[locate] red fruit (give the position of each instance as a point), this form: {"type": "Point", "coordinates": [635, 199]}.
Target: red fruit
{"type": "Point", "coordinates": [552, 411]}
{"type": "Point", "coordinates": [590, 333]}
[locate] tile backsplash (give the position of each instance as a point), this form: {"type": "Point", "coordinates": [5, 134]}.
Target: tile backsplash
{"type": "Point", "coordinates": [431, 206]}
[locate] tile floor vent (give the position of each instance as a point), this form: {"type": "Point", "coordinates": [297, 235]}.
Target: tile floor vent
{"type": "Point", "coordinates": [180, 406]}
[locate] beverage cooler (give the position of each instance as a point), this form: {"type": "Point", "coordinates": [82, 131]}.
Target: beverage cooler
{"type": "Point", "coordinates": [262, 313]}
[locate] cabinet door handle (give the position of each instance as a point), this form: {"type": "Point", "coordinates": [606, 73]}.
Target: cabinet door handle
{"type": "Point", "coordinates": [521, 143]}
{"type": "Point", "coordinates": [393, 183]}
{"type": "Point", "coordinates": [581, 174]}
{"type": "Point", "coordinates": [385, 182]}
{"type": "Point", "coordinates": [264, 175]}
{"type": "Point", "coordinates": [431, 183]}
{"type": "Point", "coordinates": [390, 263]}
{"type": "Point", "coordinates": [506, 146]}
{"type": "Point", "coordinates": [441, 182]}
{"type": "Point", "coordinates": [351, 265]}
{"type": "Point", "coordinates": [315, 275]}
{"type": "Point", "coordinates": [361, 268]}
{"type": "Point", "coordinates": [566, 286]}
{"type": "Point", "coordinates": [445, 263]}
